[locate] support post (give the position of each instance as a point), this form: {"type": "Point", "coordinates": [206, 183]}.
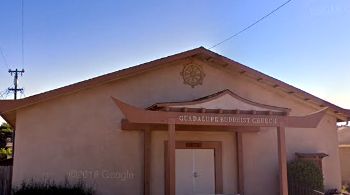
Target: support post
{"type": "Point", "coordinates": [282, 160]}
{"type": "Point", "coordinates": [171, 156]}
{"type": "Point", "coordinates": [240, 167]}
{"type": "Point", "coordinates": [147, 161]}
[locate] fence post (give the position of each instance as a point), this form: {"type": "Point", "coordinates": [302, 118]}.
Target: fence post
{"type": "Point", "coordinates": [5, 180]}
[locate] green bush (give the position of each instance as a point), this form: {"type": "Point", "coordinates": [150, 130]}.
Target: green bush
{"type": "Point", "coordinates": [305, 174]}
{"type": "Point", "coordinates": [4, 152]}
{"type": "Point", "coordinates": [49, 187]}
{"type": "Point", "coordinates": [5, 132]}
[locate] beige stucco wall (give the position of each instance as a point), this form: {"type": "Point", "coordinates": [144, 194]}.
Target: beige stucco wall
{"type": "Point", "coordinates": [344, 135]}
{"type": "Point", "coordinates": [344, 153]}
{"type": "Point", "coordinates": [79, 135]}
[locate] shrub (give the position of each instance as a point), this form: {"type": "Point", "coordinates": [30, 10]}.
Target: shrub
{"type": "Point", "coordinates": [3, 154]}
{"type": "Point", "coordinates": [49, 187]}
{"type": "Point", "coordinates": [5, 132]}
{"type": "Point", "coordinates": [304, 174]}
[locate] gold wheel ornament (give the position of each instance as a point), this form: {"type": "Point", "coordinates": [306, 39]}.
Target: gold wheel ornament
{"type": "Point", "coordinates": [193, 75]}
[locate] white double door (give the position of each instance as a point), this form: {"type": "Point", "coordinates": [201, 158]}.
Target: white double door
{"type": "Point", "coordinates": [195, 171]}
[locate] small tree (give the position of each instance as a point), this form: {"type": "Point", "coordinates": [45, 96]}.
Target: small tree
{"type": "Point", "coordinates": [4, 153]}
{"type": "Point", "coordinates": [5, 132]}
{"type": "Point", "coordinates": [304, 175]}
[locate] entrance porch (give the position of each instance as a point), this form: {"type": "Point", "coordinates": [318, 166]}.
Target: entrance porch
{"type": "Point", "coordinates": [221, 112]}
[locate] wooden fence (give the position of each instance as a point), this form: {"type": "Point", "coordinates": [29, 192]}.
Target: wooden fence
{"type": "Point", "coordinates": [297, 189]}
{"type": "Point", "coordinates": [5, 177]}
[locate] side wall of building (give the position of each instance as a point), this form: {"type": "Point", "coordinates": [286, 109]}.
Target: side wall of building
{"type": "Point", "coordinates": [79, 135]}
{"type": "Point", "coordinates": [344, 154]}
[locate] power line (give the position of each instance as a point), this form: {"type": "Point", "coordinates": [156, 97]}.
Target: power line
{"type": "Point", "coordinates": [4, 57]}
{"type": "Point", "coordinates": [251, 25]}
{"type": "Point", "coordinates": [22, 30]}
{"type": "Point", "coordinates": [4, 94]}
{"type": "Point", "coordinates": [22, 94]}
{"type": "Point", "coordinates": [22, 39]}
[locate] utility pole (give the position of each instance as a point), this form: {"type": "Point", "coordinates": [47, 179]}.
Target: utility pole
{"type": "Point", "coordinates": [15, 89]}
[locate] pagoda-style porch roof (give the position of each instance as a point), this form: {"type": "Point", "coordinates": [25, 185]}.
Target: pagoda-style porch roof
{"type": "Point", "coordinates": [222, 109]}
{"type": "Point", "coordinates": [222, 102]}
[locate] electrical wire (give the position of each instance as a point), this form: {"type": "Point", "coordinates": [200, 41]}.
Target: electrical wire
{"type": "Point", "coordinates": [1, 94]}
{"type": "Point", "coordinates": [22, 30]}
{"type": "Point", "coordinates": [22, 93]}
{"type": "Point", "coordinates": [251, 25]}
{"type": "Point", "coordinates": [4, 94]}
{"type": "Point", "coordinates": [4, 58]}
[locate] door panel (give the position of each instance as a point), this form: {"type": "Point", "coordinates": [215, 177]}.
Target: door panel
{"type": "Point", "coordinates": [195, 171]}
{"type": "Point", "coordinates": [184, 168]}
{"type": "Point", "coordinates": [204, 164]}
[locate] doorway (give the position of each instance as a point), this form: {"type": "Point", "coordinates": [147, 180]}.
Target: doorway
{"type": "Point", "coordinates": [195, 171]}
{"type": "Point", "coordinates": [198, 167]}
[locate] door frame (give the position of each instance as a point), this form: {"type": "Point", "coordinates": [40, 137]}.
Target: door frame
{"type": "Point", "coordinates": [216, 145]}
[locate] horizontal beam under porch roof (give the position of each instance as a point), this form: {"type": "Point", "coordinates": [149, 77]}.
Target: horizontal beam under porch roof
{"type": "Point", "coordinates": [128, 126]}
{"type": "Point", "coordinates": [139, 115]}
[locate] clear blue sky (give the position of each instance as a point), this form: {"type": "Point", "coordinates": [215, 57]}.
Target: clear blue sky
{"type": "Point", "coordinates": [306, 43]}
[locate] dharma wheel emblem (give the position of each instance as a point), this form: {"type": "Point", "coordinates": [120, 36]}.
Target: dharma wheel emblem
{"type": "Point", "coordinates": [193, 75]}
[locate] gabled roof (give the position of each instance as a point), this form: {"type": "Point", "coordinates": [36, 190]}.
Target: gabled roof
{"type": "Point", "coordinates": [8, 107]}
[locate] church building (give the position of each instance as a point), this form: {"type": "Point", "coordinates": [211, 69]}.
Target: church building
{"type": "Point", "coordinates": [191, 123]}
